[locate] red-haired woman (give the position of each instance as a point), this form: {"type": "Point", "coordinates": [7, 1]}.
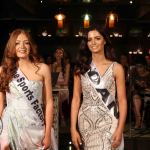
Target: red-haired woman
{"type": "Point", "coordinates": [24, 81]}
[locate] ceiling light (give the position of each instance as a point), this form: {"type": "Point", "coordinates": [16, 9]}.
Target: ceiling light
{"type": "Point", "coordinates": [87, 1]}
{"type": "Point", "coordinates": [111, 20]}
{"type": "Point", "coordinates": [60, 17]}
{"type": "Point", "coordinates": [44, 33]}
{"type": "Point", "coordinates": [135, 52]}
{"type": "Point", "coordinates": [77, 35]}
{"type": "Point", "coordinates": [116, 34]}
{"type": "Point", "coordinates": [131, 2]}
{"type": "Point", "coordinates": [86, 20]}
{"type": "Point", "coordinates": [130, 52]}
{"type": "Point", "coordinates": [111, 35]}
{"type": "Point", "coordinates": [49, 35]}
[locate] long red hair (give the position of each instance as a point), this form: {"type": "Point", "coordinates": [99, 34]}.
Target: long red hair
{"type": "Point", "coordinates": [10, 59]}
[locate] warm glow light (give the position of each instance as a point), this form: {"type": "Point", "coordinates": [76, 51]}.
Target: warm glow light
{"type": "Point", "coordinates": [60, 17]}
{"type": "Point", "coordinates": [131, 2]}
{"type": "Point", "coordinates": [112, 17]}
{"type": "Point", "coordinates": [135, 52]}
{"type": "Point", "coordinates": [86, 22]}
{"type": "Point", "coordinates": [44, 33]}
{"type": "Point", "coordinates": [116, 34]}
{"type": "Point", "coordinates": [86, 17]}
{"type": "Point", "coordinates": [77, 35]}
{"type": "Point", "coordinates": [130, 52]}
{"type": "Point", "coordinates": [111, 20]}
{"type": "Point", "coordinates": [87, 1]}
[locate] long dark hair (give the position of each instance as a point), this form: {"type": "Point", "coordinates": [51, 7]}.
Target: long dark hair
{"type": "Point", "coordinates": [10, 59]}
{"type": "Point", "coordinates": [84, 55]}
{"type": "Point", "coordinates": [64, 60]}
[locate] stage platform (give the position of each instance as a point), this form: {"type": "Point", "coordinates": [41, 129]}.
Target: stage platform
{"type": "Point", "coordinates": [131, 143]}
{"type": "Point", "coordinates": [134, 139]}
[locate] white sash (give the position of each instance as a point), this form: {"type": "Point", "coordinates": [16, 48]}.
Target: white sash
{"type": "Point", "coordinates": [22, 84]}
{"type": "Point", "coordinates": [95, 80]}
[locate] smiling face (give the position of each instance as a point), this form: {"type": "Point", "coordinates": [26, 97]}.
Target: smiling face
{"type": "Point", "coordinates": [22, 46]}
{"type": "Point", "coordinates": [96, 41]}
{"type": "Point", "coordinates": [59, 54]}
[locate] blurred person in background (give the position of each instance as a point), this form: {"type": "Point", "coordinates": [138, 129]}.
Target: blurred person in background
{"type": "Point", "coordinates": [61, 65]}
{"type": "Point", "coordinates": [141, 85]}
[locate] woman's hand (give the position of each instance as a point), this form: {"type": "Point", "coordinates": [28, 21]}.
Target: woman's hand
{"type": "Point", "coordinates": [76, 139]}
{"type": "Point", "coordinates": [46, 143]}
{"type": "Point", "coordinates": [116, 139]}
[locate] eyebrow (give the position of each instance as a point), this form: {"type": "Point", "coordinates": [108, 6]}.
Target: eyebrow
{"type": "Point", "coordinates": [95, 36]}
{"type": "Point", "coordinates": [23, 40]}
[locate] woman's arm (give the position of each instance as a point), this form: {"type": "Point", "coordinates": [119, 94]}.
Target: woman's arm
{"type": "Point", "coordinates": [122, 102]}
{"type": "Point", "coordinates": [67, 74]}
{"type": "Point", "coordinates": [74, 111]}
{"type": "Point", "coordinates": [2, 99]}
{"type": "Point", "coordinates": [121, 96]}
{"type": "Point", "coordinates": [46, 72]}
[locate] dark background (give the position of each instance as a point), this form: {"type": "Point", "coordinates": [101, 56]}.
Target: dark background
{"type": "Point", "coordinates": [38, 16]}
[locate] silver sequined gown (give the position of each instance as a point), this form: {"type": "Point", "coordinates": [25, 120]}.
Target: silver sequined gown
{"type": "Point", "coordinates": [98, 114]}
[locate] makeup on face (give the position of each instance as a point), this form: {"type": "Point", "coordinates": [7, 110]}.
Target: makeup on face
{"type": "Point", "coordinates": [96, 41]}
{"type": "Point", "coordinates": [22, 46]}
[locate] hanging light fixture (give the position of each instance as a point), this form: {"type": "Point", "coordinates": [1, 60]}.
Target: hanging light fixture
{"type": "Point", "coordinates": [60, 18]}
{"type": "Point", "coordinates": [86, 1]}
{"type": "Point", "coordinates": [111, 20]}
{"type": "Point", "coordinates": [86, 21]}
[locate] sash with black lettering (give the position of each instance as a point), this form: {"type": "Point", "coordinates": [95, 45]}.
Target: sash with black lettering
{"type": "Point", "coordinates": [99, 84]}
{"type": "Point", "coordinates": [22, 84]}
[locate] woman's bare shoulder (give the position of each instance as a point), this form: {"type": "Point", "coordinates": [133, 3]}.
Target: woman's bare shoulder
{"type": "Point", "coordinates": [118, 65]}
{"type": "Point", "coordinates": [1, 68]}
{"type": "Point", "coordinates": [118, 68]}
{"type": "Point", "coordinates": [44, 68]}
